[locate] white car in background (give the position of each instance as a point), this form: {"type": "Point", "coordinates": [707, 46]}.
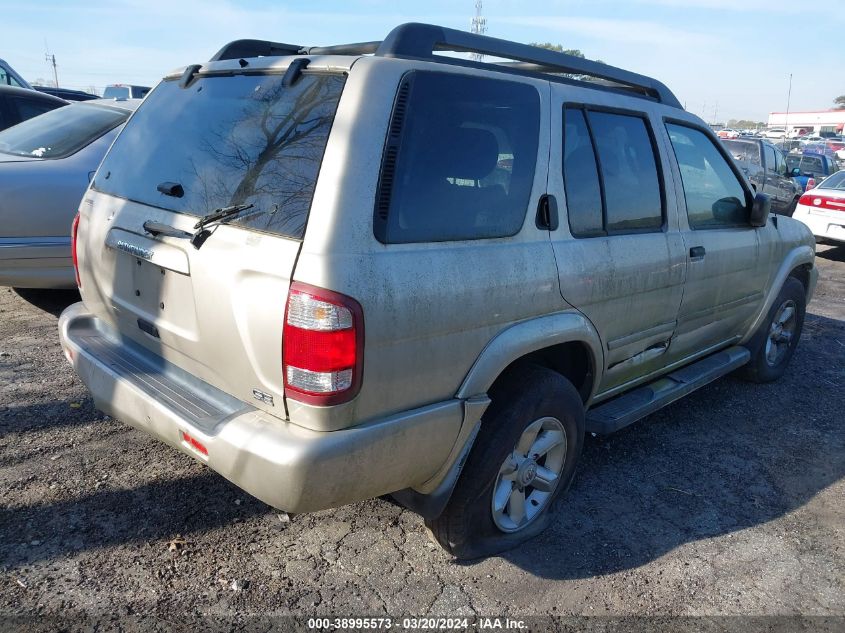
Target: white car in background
{"type": "Point", "coordinates": [775, 132]}
{"type": "Point", "coordinates": [823, 209]}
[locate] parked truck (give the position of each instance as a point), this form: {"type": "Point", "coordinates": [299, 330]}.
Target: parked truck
{"type": "Point", "coordinates": [766, 168]}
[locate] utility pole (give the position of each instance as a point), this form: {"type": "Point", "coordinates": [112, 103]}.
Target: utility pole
{"type": "Point", "coordinates": [52, 59]}
{"type": "Point", "coordinates": [479, 26]}
{"type": "Point", "coordinates": [788, 98]}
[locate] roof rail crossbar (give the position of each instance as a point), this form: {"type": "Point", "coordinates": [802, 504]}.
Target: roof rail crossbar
{"type": "Point", "coordinates": [420, 41]}
{"type": "Point", "coordinates": [254, 48]}
{"type": "Point", "coordinates": [359, 48]}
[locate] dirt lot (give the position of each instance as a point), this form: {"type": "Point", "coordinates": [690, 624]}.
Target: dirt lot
{"type": "Point", "coordinates": [729, 502]}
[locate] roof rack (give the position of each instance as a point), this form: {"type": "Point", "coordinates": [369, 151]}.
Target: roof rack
{"type": "Point", "coordinates": [420, 41]}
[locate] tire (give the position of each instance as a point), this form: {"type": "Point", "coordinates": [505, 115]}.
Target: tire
{"type": "Point", "coordinates": [768, 364]}
{"type": "Point", "coordinates": [534, 399]}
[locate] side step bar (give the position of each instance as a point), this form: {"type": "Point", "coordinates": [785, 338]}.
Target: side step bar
{"type": "Point", "coordinates": [626, 409]}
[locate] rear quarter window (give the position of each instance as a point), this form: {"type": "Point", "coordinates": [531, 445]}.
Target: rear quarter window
{"type": "Point", "coordinates": [460, 159]}
{"type": "Point", "coordinates": [242, 139]}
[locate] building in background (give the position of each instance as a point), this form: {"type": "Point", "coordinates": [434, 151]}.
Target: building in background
{"type": "Point", "coordinates": [828, 121]}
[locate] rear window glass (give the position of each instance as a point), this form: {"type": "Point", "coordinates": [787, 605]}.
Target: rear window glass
{"type": "Point", "coordinates": [243, 139]}
{"type": "Point", "coordinates": [60, 132]}
{"type": "Point", "coordinates": [743, 151]}
{"type": "Point", "coordinates": [610, 173]}
{"type": "Point", "coordinates": [467, 149]}
{"type": "Point", "coordinates": [807, 164]}
{"type": "Point", "coordinates": [836, 181]}
{"type": "Point", "coordinates": [580, 177]}
{"type": "Point", "coordinates": [629, 171]}
{"type": "Point", "coordinates": [116, 92]}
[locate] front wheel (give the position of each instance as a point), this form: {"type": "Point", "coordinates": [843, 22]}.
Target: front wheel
{"type": "Point", "coordinates": [523, 459]}
{"type": "Point", "coordinates": [774, 343]}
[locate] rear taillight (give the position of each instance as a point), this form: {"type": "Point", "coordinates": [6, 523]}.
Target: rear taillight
{"type": "Point", "coordinates": [322, 346]}
{"type": "Point", "coordinates": [811, 182]}
{"type": "Point", "coordinates": [816, 201]}
{"type": "Point", "coordinates": [74, 231]}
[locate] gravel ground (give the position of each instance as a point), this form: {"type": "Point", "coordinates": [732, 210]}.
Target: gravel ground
{"type": "Point", "coordinates": [731, 501]}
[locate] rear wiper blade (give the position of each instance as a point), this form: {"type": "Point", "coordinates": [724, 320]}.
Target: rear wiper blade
{"type": "Point", "coordinates": [221, 214]}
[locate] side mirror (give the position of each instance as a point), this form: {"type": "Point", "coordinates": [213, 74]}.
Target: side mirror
{"type": "Point", "coordinates": [795, 172]}
{"type": "Point", "coordinates": [760, 209]}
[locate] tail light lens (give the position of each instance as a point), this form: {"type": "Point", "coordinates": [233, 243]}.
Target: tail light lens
{"type": "Point", "coordinates": [815, 201]}
{"type": "Point", "coordinates": [74, 231]}
{"type": "Point", "coordinates": [322, 346]}
{"type": "Point", "coordinates": [811, 183]}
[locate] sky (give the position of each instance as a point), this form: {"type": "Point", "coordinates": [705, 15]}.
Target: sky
{"type": "Point", "coordinates": [724, 59]}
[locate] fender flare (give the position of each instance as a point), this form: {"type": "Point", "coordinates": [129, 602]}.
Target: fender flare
{"type": "Point", "coordinates": [798, 256]}
{"type": "Point", "coordinates": [529, 336]}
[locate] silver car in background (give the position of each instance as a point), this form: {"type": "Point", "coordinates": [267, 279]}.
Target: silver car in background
{"type": "Point", "coordinates": [45, 166]}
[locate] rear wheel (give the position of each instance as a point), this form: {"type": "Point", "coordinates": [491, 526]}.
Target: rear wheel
{"type": "Point", "coordinates": [523, 459]}
{"type": "Point", "coordinates": [773, 345]}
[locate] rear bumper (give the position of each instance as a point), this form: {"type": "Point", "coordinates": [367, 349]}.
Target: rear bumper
{"type": "Point", "coordinates": [287, 466]}
{"type": "Point", "coordinates": [824, 224]}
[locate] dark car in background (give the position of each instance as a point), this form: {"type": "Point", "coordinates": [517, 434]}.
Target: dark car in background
{"type": "Point", "coordinates": [66, 93]}
{"type": "Point", "coordinates": [20, 104]}
{"type": "Point", "coordinates": [9, 77]}
{"type": "Point", "coordinates": [766, 168]}
{"type": "Point", "coordinates": [813, 168]}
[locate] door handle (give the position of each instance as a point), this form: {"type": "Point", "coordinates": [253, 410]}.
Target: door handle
{"type": "Point", "coordinates": [697, 252]}
{"type": "Point", "coordinates": [547, 217]}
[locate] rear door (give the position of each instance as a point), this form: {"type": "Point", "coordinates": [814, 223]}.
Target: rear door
{"type": "Point", "coordinates": [618, 251]}
{"type": "Point", "coordinates": [215, 309]}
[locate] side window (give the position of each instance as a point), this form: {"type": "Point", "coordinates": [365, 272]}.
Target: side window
{"type": "Point", "coordinates": [610, 173]}
{"type": "Point", "coordinates": [581, 177]}
{"type": "Point", "coordinates": [459, 160]}
{"type": "Point", "coordinates": [780, 164]}
{"type": "Point", "coordinates": [28, 108]}
{"type": "Point", "coordinates": [629, 172]}
{"type": "Point", "coordinates": [771, 161]}
{"type": "Point", "coordinates": [714, 196]}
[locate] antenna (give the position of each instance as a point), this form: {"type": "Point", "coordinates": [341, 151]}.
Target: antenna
{"type": "Point", "coordinates": [479, 27]}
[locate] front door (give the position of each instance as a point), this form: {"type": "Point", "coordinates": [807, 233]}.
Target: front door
{"type": "Point", "coordinates": [723, 289]}
{"type": "Point", "coordinates": [618, 252]}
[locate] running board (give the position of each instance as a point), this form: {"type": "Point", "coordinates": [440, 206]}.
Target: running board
{"type": "Point", "coordinates": [642, 401]}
